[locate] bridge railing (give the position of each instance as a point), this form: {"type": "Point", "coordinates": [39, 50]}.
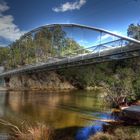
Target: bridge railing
{"type": "Point", "coordinates": [112, 47]}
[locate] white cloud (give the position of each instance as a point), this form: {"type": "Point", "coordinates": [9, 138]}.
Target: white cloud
{"type": "Point", "coordinates": [83, 42]}
{"type": "Point", "coordinates": [3, 7]}
{"type": "Point", "coordinates": [8, 29]}
{"type": "Point", "coordinates": [70, 6]}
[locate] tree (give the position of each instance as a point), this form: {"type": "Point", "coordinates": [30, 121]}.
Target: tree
{"type": "Point", "coordinates": [120, 87]}
{"type": "Point", "coordinates": [3, 55]}
{"type": "Point", "coordinates": [42, 43]}
{"type": "Point", "coordinates": [70, 46]}
{"type": "Point", "coordinates": [134, 31]}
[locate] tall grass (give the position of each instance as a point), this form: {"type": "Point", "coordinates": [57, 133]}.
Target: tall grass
{"type": "Point", "coordinates": [38, 132]}
{"type": "Point", "coordinates": [28, 132]}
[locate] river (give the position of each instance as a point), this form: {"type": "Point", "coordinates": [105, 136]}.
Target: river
{"type": "Point", "coordinates": [58, 110]}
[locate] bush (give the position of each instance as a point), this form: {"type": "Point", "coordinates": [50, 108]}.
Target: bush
{"type": "Point", "coordinates": [136, 86]}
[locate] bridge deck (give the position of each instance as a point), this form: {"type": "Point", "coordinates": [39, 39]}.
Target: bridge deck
{"type": "Point", "coordinates": [85, 59]}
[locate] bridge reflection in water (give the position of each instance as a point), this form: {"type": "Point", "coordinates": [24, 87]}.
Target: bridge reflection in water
{"type": "Point", "coordinates": [59, 46]}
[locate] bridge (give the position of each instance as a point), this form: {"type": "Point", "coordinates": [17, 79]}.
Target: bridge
{"type": "Point", "coordinates": [59, 46]}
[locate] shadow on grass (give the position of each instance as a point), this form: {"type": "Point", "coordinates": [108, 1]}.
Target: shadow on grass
{"type": "Point", "coordinates": [68, 133]}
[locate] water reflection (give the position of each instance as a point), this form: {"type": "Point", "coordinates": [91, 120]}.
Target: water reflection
{"type": "Point", "coordinates": [97, 126]}
{"type": "Point", "coordinates": [59, 110]}
{"type": "Point", "coordinates": [85, 133]}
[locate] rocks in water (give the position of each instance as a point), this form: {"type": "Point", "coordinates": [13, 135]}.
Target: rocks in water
{"type": "Point", "coordinates": [131, 114]}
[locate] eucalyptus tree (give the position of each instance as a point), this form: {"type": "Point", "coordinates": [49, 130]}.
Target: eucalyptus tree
{"type": "Point", "coordinates": [42, 40]}
{"type": "Point", "coordinates": [58, 39]}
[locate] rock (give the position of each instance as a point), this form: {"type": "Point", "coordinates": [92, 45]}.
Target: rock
{"type": "Point", "coordinates": [39, 81]}
{"type": "Point", "coordinates": [131, 113]}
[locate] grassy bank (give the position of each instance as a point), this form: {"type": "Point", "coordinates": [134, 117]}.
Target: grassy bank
{"type": "Point", "coordinates": [119, 133]}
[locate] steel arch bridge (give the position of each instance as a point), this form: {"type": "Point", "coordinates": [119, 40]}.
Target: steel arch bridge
{"type": "Point", "coordinates": [58, 46]}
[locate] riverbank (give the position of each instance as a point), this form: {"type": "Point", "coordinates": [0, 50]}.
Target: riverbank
{"type": "Point", "coordinates": [50, 81]}
{"type": "Point", "coordinates": [120, 78]}
{"type": "Point", "coordinates": [118, 133]}
{"type": "Point", "coordinates": [127, 129]}
{"type": "Point", "coordinates": [99, 131]}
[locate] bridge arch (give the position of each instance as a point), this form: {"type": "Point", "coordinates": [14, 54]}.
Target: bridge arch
{"type": "Point", "coordinates": [85, 27]}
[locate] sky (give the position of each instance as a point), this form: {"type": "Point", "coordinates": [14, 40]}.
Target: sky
{"type": "Point", "coordinates": [20, 16]}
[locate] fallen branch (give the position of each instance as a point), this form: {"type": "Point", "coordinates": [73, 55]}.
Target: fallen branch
{"type": "Point", "coordinates": [106, 120]}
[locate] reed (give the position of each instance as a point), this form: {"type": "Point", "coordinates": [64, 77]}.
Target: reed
{"type": "Point", "coordinates": [38, 131]}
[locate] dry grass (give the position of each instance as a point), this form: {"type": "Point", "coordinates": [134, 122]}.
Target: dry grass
{"type": "Point", "coordinates": [42, 132]}
{"type": "Point", "coordinates": [129, 133]}
{"type": "Point", "coordinates": [28, 132]}
{"type": "Point", "coordinates": [102, 136]}
{"type": "Point", "coordinates": [123, 133]}
{"type": "Point", "coordinates": [38, 132]}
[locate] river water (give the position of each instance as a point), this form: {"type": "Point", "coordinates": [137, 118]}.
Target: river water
{"type": "Point", "coordinates": [58, 110]}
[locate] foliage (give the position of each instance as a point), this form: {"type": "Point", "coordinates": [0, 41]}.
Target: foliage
{"type": "Point", "coordinates": [134, 31]}
{"type": "Point", "coordinates": [120, 80]}
{"type": "Point", "coordinates": [121, 88]}
{"type": "Point", "coordinates": [4, 51]}
{"type": "Point", "coordinates": [136, 86]}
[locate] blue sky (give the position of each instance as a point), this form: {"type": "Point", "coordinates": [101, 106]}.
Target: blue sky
{"type": "Point", "coordinates": [20, 16]}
